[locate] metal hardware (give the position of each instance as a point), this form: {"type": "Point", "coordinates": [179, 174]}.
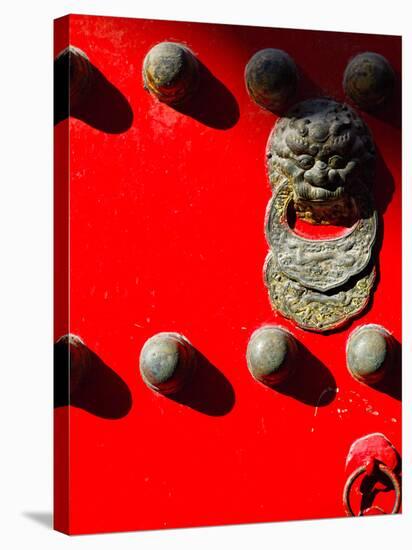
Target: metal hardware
{"type": "Point", "coordinates": [369, 353]}
{"type": "Point", "coordinates": [371, 456]}
{"type": "Point", "coordinates": [271, 78]}
{"type": "Point", "coordinates": [166, 362]}
{"type": "Point", "coordinates": [362, 470]}
{"type": "Point", "coordinates": [320, 157]}
{"type": "Point", "coordinates": [320, 265]}
{"type": "Point", "coordinates": [73, 356]}
{"type": "Point", "coordinates": [170, 72]}
{"type": "Point", "coordinates": [369, 80]}
{"type": "Point", "coordinates": [73, 69]}
{"type": "Point", "coordinates": [271, 354]}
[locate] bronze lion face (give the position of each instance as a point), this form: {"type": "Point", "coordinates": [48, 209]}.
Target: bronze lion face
{"type": "Point", "coordinates": [324, 149]}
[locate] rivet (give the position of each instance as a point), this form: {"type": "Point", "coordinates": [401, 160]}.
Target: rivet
{"type": "Point", "coordinates": [271, 78]}
{"type": "Point", "coordinates": [271, 355]}
{"type": "Point", "coordinates": [369, 353]}
{"type": "Point", "coordinates": [170, 72]}
{"type": "Point", "coordinates": [166, 362]}
{"type": "Point", "coordinates": [369, 80]}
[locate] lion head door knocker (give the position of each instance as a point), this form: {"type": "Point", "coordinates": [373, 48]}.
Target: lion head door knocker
{"type": "Point", "coordinates": [320, 163]}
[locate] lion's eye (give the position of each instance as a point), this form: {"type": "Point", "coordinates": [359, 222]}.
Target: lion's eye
{"type": "Point", "coordinates": [336, 162]}
{"type": "Point", "coordinates": [306, 162]}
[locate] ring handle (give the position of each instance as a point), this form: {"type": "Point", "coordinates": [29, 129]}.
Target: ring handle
{"type": "Point", "coordinates": [357, 473]}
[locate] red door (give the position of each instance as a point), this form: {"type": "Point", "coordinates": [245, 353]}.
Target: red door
{"type": "Point", "coordinates": [160, 227]}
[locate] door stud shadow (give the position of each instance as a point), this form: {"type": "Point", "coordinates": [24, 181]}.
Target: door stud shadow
{"type": "Point", "coordinates": [392, 382]}
{"type": "Point", "coordinates": [208, 391]}
{"type": "Point", "coordinates": [83, 380]}
{"type": "Point", "coordinates": [311, 383]}
{"type": "Point", "coordinates": [212, 103]}
{"type": "Point", "coordinates": [94, 99]}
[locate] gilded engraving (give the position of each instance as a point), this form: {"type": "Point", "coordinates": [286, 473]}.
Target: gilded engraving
{"type": "Point", "coordinates": [312, 310]}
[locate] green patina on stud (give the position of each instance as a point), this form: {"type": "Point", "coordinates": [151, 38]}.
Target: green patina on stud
{"type": "Point", "coordinates": [271, 354]}
{"type": "Point", "coordinates": [166, 361]}
{"type": "Point", "coordinates": [369, 353]}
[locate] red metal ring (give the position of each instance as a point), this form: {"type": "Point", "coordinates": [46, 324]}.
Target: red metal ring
{"type": "Point", "coordinates": [354, 476]}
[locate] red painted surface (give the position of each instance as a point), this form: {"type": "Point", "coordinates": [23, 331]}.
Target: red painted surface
{"type": "Point", "coordinates": [166, 234]}
{"type": "Point", "coordinates": [370, 452]}
{"type": "Point", "coordinates": [373, 447]}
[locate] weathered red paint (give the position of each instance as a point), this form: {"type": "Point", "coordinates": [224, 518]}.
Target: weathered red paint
{"type": "Point", "coordinates": [166, 233]}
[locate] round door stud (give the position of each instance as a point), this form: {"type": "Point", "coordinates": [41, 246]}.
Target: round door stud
{"type": "Point", "coordinates": [271, 354]}
{"type": "Point", "coordinates": [271, 78]}
{"type": "Point", "coordinates": [369, 353]}
{"type": "Point", "coordinates": [166, 361]}
{"type": "Point", "coordinates": [73, 69]}
{"type": "Point", "coordinates": [369, 80]}
{"type": "Point", "coordinates": [170, 72]}
{"type": "Point", "coordinates": [72, 358]}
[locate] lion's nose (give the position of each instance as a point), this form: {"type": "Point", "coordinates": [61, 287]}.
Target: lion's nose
{"type": "Point", "coordinates": [318, 174]}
